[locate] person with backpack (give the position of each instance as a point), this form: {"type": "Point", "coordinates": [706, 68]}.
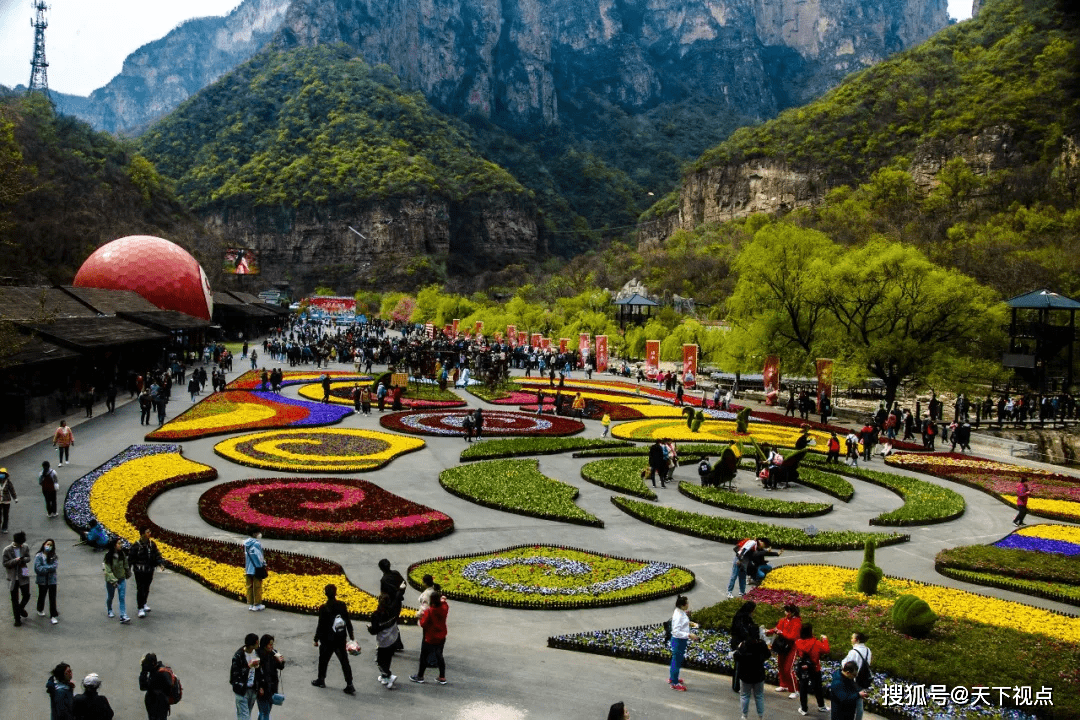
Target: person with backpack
{"type": "Point", "coordinates": [7, 494]}
{"type": "Point", "coordinates": [808, 651]}
{"type": "Point", "coordinates": [161, 686]}
{"type": "Point", "coordinates": [50, 484]}
{"type": "Point", "coordinates": [852, 443]}
{"type": "Point", "coordinates": [845, 694]}
{"type": "Point", "coordinates": [144, 557]}
{"type": "Point", "coordinates": [862, 657]}
{"type": "Point", "coordinates": [91, 704]}
{"type": "Point", "coordinates": [333, 631]}
{"type": "Point", "coordinates": [271, 662]}
{"type": "Point", "coordinates": [61, 691]}
{"type": "Point", "coordinates": [255, 570]}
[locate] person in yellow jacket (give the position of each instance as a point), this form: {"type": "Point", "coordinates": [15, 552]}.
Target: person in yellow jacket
{"type": "Point", "coordinates": [606, 422]}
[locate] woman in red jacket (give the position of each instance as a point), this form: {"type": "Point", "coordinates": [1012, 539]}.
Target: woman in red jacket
{"type": "Point", "coordinates": [789, 627]}
{"type": "Point", "coordinates": [808, 651]}
{"type": "Point", "coordinates": [433, 621]}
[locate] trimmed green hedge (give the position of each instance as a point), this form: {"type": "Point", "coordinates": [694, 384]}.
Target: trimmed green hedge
{"type": "Point", "coordinates": [728, 530]}
{"type": "Point", "coordinates": [516, 486]}
{"type": "Point", "coordinates": [825, 482]}
{"type": "Point", "coordinates": [749, 504]}
{"type": "Point", "coordinates": [618, 474]}
{"type": "Point", "coordinates": [487, 394]}
{"type": "Point", "coordinates": [516, 447]}
{"type": "Point", "coordinates": [925, 503]}
{"type": "Point", "coordinates": [1018, 564]}
{"type": "Point", "coordinates": [1060, 592]}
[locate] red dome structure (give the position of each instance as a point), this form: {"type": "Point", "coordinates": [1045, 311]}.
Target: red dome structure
{"type": "Point", "coordinates": [161, 271]}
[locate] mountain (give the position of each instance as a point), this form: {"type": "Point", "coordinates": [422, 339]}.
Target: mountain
{"type": "Point", "coordinates": [66, 189]}
{"type": "Point", "coordinates": [966, 146]}
{"type": "Point", "coordinates": [337, 176]}
{"type": "Point", "coordinates": [160, 75]}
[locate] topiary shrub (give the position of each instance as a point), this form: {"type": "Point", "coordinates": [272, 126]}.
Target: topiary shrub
{"type": "Point", "coordinates": [911, 615]}
{"type": "Point", "coordinates": [698, 419]}
{"type": "Point", "coordinates": [742, 421]}
{"type": "Point", "coordinates": [869, 574]}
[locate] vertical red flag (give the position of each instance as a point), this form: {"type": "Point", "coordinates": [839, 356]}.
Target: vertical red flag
{"type": "Point", "coordinates": [479, 328]}
{"type": "Point", "coordinates": [456, 323]}
{"type": "Point", "coordinates": [824, 368]}
{"type": "Point", "coordinates": [448, 331]}
{"type": "Point", "coordinates": [601, 353]}
{"type": "Point", "coordinates": [563, 342]}
{"type": "Point", "coordinates": [652, 358]}
{"type": "Point", "coordinates": [498, 336]}
{"type": "Point", "coordinates": [537, 340]}
{"type": "Point", "coordinates": [511, 334]}
{"type": "Point", "coordinates": [583, 347]}
{"type": "Point", "coordinates": [545, 343]}
{"type": "Point", "coordinates": [689, 365]}
{"type": "Point", "coordinates": [522, 337]}
{"type": "Point", "coordinates": [771, 379]}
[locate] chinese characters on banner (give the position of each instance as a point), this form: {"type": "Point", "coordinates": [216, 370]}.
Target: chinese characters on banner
{"type": "Point", "coordinates": [824, 380]}
{"type": "Point", "coordinates": [498, 336]}
{"type": "Point", "coordinates": [511, 334]}
{"type": "Point", "coordinates": [479, 327]}
{"type": "Point", "coordinates": [689, 365]}
{"type": "Point", "coordinates": [771, 379]}
{"type": "Point", "coordinates": [456, 323]}
{"type": "Point", "coordinates": [522, 337]}
{"type": "Point", "coordinates": [601, 353]}
{"type": "Point", "coordinates": [563, 342]}
{"type": "Point", "coordinates": [448, 331]}
{"type": "Point", "coordinates": [537, 340]}
{"type": "Point", "coordinates": [545, 343]}
{"type": "Point", "coordinates": [583, 346]}
{"type": "Point", "coordinates": [429, 330]}
{"type": "Point", "coordinates": [652, 358]}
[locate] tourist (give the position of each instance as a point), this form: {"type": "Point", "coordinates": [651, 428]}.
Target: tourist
{"type": "Point", "coordinates": [271, 662]}
{"type": "Point", "coordinates": [61, 692]}
{"type": "Point", "coordinates": [788, 628]}
{"type": "Point", "coordinates": [1023, 492]}
{"type": "Point", "coordinates": [145, 404]}
{"type": "Point", "coordinates": [155, 684]}
{"type": "Point", "coordinates": [144, 557]}
{"type": "Point", "coordinates": [96, 536]}
{"type": "Point", "coordinates": [657, 464]}
{"type": "Point", "coordinates": [859, 654]}
{"type": "Point", "coordinates": [245, 676]}
{"type": "Point", "coordinates": [846, 696]}
{"type": "Point", "coordinates": [741, 562]}
{"type": "Point", "coordinates": [255, 570]}
{"type": "Point", "coordinates": [478, 423]}
{"type": "Point", "coordinates": [16, 561]}
{"type": "Point", "coordinates": [433, 622]}
{"type": "Point", "coordinates": [50, 485]}
{"type": "Point", "coordinates": [45, 565]}
{"type": "Point", "coordinates": [833, 454]}
{"type": "Point", "coordinates": [852, 443]}
{"type": "Point", "coordinates": [63, 439]}
{"type": "Point", "coordinates": [333, 631]}
{"type": "Point", "coordinates": [90, 704]}
{"type": "Point", "coordinates": [326, 388]}
{"type": "Point", "coordinates": [808, 652]}
{"type": "Point", "coordinates": [356, 397]}
{"type": "Point", "coordinates": [117, 570]}
{"type": "Point", "coordinates": [743, 626]}
{"type": "Point", "coordinates": [467, 426]}
{"type": "Point", "coordinates": [384, 627]}
{"type": "Point", "coordinates": [750, 659]}
{"type": "Point", "coordinates": [618, 711]}
{"type": "Point", "coordinates": [756, 567]}
{"type": "Point", "coordinates": [7, 494]}
{"type": "Point", "coordinates": [606, 422]}
{"type": "Point", "coordinates": [680, 636]}
{"type": "Point", "coordinates": [429, 586]}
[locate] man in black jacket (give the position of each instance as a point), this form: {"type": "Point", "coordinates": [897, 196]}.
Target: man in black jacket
{"type": "Point", "coordinates": [144, 557]}
{"type": "Point", "coordinates": [657, 464]}
{"type": "Point", "coordinates": [334, 630]}
{"type": "Point", "coordinates": [245, 675]}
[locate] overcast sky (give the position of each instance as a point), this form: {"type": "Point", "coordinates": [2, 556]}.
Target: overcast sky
{"type": "Point", "coordinates": [87, 40]}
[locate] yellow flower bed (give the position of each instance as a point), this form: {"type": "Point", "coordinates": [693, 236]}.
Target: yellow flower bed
{"type": "Point", "coordinates": [1064, 533]}
{"type": "Point", "coordinates": [1037, 505]}
{"type": "Point", "coordinates": [658, 411]}
{"type": "Point", "coordinates": [571, 391]}
{"type": "Point", "coordinates": [716, 431]}
{"type": "Point", "coordinates": [114, 491]}
{"type": "Point", "coordinates": [315, 391]}
{"type": "Point", "coordinates": [825, 581]}
{"type": "Point", "coordinates": [951, 462]}
{"type": "Point", "coordinates": [240, 416]}
{"type": "Point", "coordinates": [331, 449]}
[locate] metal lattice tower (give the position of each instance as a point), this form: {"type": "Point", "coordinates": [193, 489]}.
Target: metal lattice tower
{"type": "Point", "coordinates": [39, 73]}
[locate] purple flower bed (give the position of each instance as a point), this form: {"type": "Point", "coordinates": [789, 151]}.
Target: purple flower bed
{"type": "Point", "coordinates": [1035, 544]}
{"type": "Point", "coordinates": [77, 502]}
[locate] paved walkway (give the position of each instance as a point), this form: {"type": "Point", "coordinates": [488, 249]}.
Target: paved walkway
{"type": "Point", "coordinates": [498, 663]}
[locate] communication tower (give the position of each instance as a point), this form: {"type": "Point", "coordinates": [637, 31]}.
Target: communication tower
{"type": "Point", "coordinates": [39, 73]}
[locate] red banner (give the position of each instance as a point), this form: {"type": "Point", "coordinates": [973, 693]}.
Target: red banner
{"type": "Point", "coordinates": [652, 358]}
{"type": "Point", "coordinates": [689, 365]}
{"type": "Point", "coordinates": [771, 379]}
{"type": "Point", "coordinates": [545, 343]}
{"type": "Point", "coordinates": [456, 322]}
{"type": "Point", "coordinates": [448, 331]}
{"type": "Point", "coordinates": [522, 337]}
{"type": "Point", "coordinates": [583, 348]}
{"type": "Point", "coordinates": [429, 330]}
{"type": "Point", "coordinates": [511, 334]}
{"type": "Point", "coordinates": [479, 328]}
{"type": "Point", "coordinates": [824, 369]}
{"type": "Point", "coordinates": [563, 342]}
{"type": "Point", "coordinates": [601, 353]}
{"type": "Point", "coordinates": [333, 305]}
{"type": "Point", "coordinates": [537, 340]}
{"type": "Point", "coordinates": [498, 336]}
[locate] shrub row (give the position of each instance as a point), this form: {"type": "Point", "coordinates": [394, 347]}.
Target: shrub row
{"type": "Point", "coordinates": [751, 505]}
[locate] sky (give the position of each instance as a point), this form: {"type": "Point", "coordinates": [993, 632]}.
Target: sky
{"type": "Point", "coordinates": [87, 40]}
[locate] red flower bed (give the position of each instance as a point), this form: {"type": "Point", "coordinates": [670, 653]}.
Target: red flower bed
{"type": "Point", "coordinates": [496, 422]}
{"type": "Point", "coordinates": [345, 393]}
{"type": "Point", "coordinates": [235, 411]}
{"type": "Point", "coordinates": [336, 510]}
{"type": "Point", "coordinates": [252, 379]}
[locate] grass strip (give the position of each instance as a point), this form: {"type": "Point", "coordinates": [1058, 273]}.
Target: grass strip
{"type": "Point", "coordinates": [516, 447]}
{"type": "Point", "coordinates": [1019, 564]}
{"type": "Point", "coordinates": [825, 482]}
{"type": "Point", "coordinates": [769, 507]}
{"type": "Point", "coordinates": [618, 474]}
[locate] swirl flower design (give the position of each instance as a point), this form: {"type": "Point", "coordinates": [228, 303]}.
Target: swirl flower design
{"type": "Point", "coordinates": [329, 450]}
{"type": "Point", "coordinates": [496, 422]}
{"type": "Point", "coordinates": [716, 431]}
{"type": "Point", "coordinates": [237, 410]}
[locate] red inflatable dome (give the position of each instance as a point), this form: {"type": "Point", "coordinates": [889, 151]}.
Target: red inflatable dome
{"type": "Point", "coordinates": [161, 271]}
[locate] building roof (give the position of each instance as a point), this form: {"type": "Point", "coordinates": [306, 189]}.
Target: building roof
{"type": "Point", "coordinates": [165, 320]}
{"type": "Point", "coordinates": [111, 302]}
{"type": "Point", "coordinates": [34, 350]}
{"type": "Point", "coordinates": [91, 333]}
{"type": "Point", "coordinates": [636, 299]}
{"type": "Point", "coordinates": [1039, 299]}
{"type": "Point", "coordinates": [40, 303]}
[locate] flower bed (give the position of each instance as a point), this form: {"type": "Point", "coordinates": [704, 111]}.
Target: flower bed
{"type": "Point", "coordinates": [516, 486]}
{"type": "Point", "coordinates": [516, 447]}
{"type": "Point", "coordinates": [751, 505]}
{"type": "Point", "coordinates": [118, 495]}
{"type": "Point", "coordinates": [1053, 495]}
{"type": "Point", "coordinates": [238, 410]}
{"type": "Point", "coordinates": [720, 431]}
{"type": "Point", "coordinates": [424, 396]}
{"type": "Point", "coordinates": [496, 422]}
{"type": "Point", "coordinates": [825, 482]}
{"type": "Point", "coordinates": [723, 529]}
{"type": "Point", "coordinates": [925, 503]}
{"type": "Point", "coordinates": [321, 509]}
{"type": "Point", "coordinates": [546, 577]}
{"type": "Point", "coordinates": [686, 450]}
{"type": "Point", "coordinates": [329, 450]}
{"type": "Point", "coordinates": [618, 474]}
{"type": "Point", "coordinates": [617, 387]}
{"type": "Point", "coordinates": [252, 379]}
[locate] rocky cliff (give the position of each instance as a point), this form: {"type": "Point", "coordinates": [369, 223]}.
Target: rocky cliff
{"type": "Point", "coordinates": [159, 76]}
